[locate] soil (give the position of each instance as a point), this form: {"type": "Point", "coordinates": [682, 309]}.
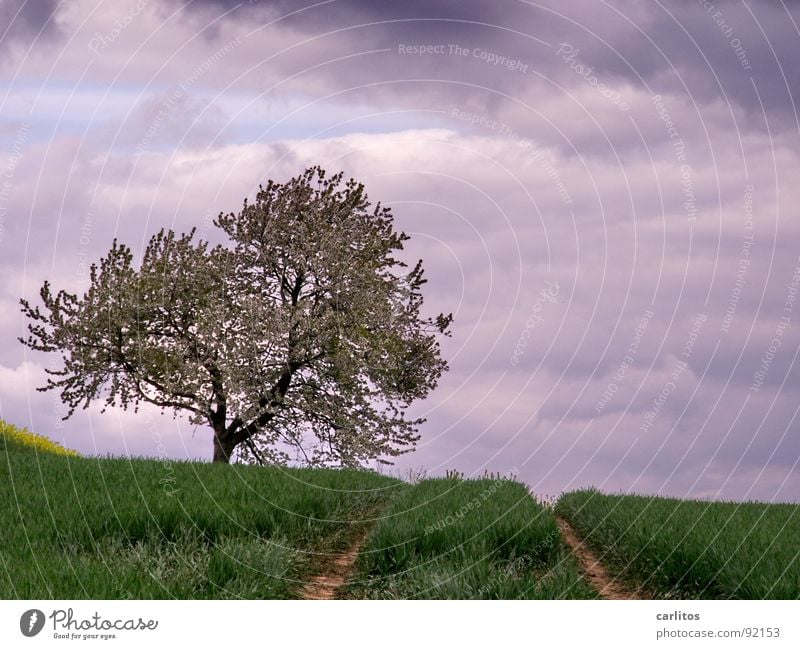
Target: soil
{"type": "Point", "coordinates": [325, 584]}
{"type": "Point", "coordinates": [607, 586]}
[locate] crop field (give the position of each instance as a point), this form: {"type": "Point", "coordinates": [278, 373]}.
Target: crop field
{"type": "Point", "coordinates": [466, 539]}
{"type": "Point", "coordinates": [78, 528]}
{"type": "Point", "coordinates": [91, 528]}
{"type": "Point", "coordinates": [692, 549]}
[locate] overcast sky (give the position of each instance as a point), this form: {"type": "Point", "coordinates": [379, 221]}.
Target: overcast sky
{"type": "Point", "coordinates": [605, 195]}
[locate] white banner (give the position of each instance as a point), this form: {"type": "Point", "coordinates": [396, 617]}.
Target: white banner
{"type": "Point", "coordinates": [388, 624]}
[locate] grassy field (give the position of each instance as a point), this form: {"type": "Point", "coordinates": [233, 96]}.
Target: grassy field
{"type": "Point", "coordinates": [692, 549]}
{"type": "Point", "coordinates": [90, 528]}
{"type": "Point", "coordinates": [75, 528]}
{"type": "Point", "coordinates": [466, 539]}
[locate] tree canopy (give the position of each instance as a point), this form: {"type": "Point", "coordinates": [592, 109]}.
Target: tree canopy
{"type": "Point", "coordinates": [299, 339]}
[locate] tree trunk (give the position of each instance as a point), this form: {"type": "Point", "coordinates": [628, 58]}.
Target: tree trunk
{"type": "Point", "coordinates": [223, 448]}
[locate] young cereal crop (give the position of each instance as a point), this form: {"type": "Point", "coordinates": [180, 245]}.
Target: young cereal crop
{"type": "Point", "coordinates": [466, 539]}
{"type": "Point", "coordinates": [692, 549]}
{"type": "Point", "coordinates": [89, 528]}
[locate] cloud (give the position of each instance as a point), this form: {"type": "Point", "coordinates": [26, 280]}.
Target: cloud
{"type": "Point", "coordinates": [510, 179]}
{"type": "Point", "coordinates": [466, 199]}
{"type": "Point", "coordinates": [25, 21]}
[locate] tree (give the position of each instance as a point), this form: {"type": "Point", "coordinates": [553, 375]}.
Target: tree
{"type": "Point", "coordinates": [301, 338]}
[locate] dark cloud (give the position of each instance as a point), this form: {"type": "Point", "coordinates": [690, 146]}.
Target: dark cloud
{"type": "Point", "coordinates": [25, 20]}
{"type": "Point", "coordinates": [310, 13]}
{"type": "Point", "coordinates": [742, 53]}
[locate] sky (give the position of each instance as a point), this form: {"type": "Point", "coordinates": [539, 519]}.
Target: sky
{"type": "Point", "coordinates": [605, 195]}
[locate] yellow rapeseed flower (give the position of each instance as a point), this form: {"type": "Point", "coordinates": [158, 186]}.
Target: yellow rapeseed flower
{"type": "Point", "coordinates": [14, 436]}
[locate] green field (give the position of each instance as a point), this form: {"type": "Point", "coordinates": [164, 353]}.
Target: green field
{"type": "Point", "coordinates": [692, 549]}
{"type": "Point", "coordinates": [467, 539]}
{"type": "Point", "coordinates": [91, 528]}
{"type": "Point", "coordinates": [77, 528]}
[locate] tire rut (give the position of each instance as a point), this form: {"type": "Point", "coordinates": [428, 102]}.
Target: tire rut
{"type": "Point", "coordinates": [326, 584]}
{"type": "Point", "coordinates": [606, 586]}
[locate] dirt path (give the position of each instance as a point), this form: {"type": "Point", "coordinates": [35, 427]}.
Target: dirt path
{"type": "Point", "coordinates": [606, 585]}
{"type": "Point", "coordinates": [337, 570]}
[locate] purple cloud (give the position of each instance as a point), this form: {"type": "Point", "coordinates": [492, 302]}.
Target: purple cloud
{"type": "Point", "coordinates": [622, 153]}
